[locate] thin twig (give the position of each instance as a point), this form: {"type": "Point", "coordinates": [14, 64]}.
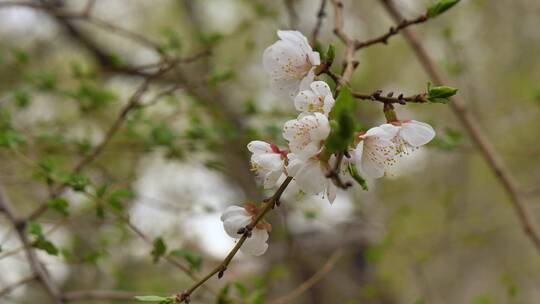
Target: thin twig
{"type": "Point", "coordinates": [473, 129]}
{"type": "Point", "coordinates": [102, 295]}
{"type": "Point", "coordinates": [309, 283]}
{"type": "Point", "coordinates": [378, 96]}
{"type": "Point", "coordinates": [38, 269]}
{"type": "Point", "coordinates": [318, 24]}
{"type": "Point", "coordinates": [9, 288]}
{"type": "Point", "coordinates": [391, 32]}
{"type": "Point", "coordinates": [270, 203]}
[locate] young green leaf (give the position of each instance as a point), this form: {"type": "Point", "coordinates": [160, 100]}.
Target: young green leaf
{"type": "Point", "coordinates": [159, 249]}
{"type": "Point", "coordinates": [151, 298]}
{"type": "Point", "coordinates": [343, 125]}
{"type": "Point", "coordinates": [59, 205]}
{"type": "Point", "coordinates": [193, 259]}
{"type": "Point", "coordinates": [45, 245]}
{"type": "Point", "coordinates": [353, 171]}
{"type": "Point", "coordinates": [34, 228]}
{"type": "Point", "coordinates": [440, 7]}
{"type": "Point", "coordinates": [440, 94]}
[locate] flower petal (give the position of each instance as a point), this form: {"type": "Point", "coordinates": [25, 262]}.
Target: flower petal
{"type": "Point", "coordinates": [331, 191]}
{"type": "Point", "coordinates": [416, 133]}
{"type": "Point", "coordinates": [256, 244]}
{"type": "Point", "coordinates": [259, 146]}
{"type": "Point", "coordinates": [321, 88]}
{"type": "Point", "coordinates": [310, 178]}
{"type": "Point", "coordinates": [304, 100]}
{"type": "Point", "coordinates": [234, 218]}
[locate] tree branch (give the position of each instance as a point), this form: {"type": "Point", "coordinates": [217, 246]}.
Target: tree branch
{"type": "Point", "coordinates": [493, 160]}
{"type": "Point", "coordinates": [39, 270]}
{"type": "Point", "coordinates": [270, 203]}
{"type": "Point", "coordinates": [309, 283]}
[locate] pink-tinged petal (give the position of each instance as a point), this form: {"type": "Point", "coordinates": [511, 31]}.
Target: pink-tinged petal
{"type": "Point", "coordinates": [315, 58]}
{"type": "Point", "coordinates": [303, 100]}
{"type": "Point", "coordinates": [310, 178]}
{"type": "Point", "coordinates": [268, 161]}
{"type": "Point", "coordinates": [357, 154]}
{"type": "Point", "coordinates": [256, 244]}
{"type": "Point", "coordinates": [271, 179]}
{"type": "Point", "coordinates": [416, 133]}
{"type": "Point", "coordinates": [294, 164]}
{"type": "Point", "coordinates": [371, 168]}
{"type": "Point", "coordinates": [322, 130]}
{"type": "Point", "coordinates": [386, 131]}
{"type": "Point", "coordinates": [290, 129]}
{"type": "Point", "coordinates": [331, 192]}
{"type": "Point", "coordinates": [234, 218]}
{"type": "Point", "coordinates": [295, 36]}
{"type": "Point", "coordinates": [310, 150]}
{"type": "Point", "coordinates": [259, 146]}
{"type": "Point", "coordinates": [329, 102]}
{"type": "Point", "coordinates": [321, 88]}
{"type": "Point", "coordinates": [307, 80]}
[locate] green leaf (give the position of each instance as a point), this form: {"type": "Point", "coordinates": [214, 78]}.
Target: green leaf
{"type": "Point", "coordinates": [330, 53]}
{"type": "Point", "coordinates": [151, 298]}
{"type": "Point", "coordinates": [440, 94]}
{"type": "Point", "coordinates": [159, 249]}
{"type": "Point", "coordinates": [343, 125]}
{"type": "Point", "coordinates": [162, 135]}
{"type": "Point", "coordinates": [440, 7]}
{"type": "Point", "coordinates": [219, 75]}
{"type": "Point", "coordinates": [193, 259]}
{"type": "Point", "coordinates": [353, 171]}
{"type": "Point", "coordinates": [223, 296]}
{"type": "Point", "coordinates": [77, 182]}
{"type": "Point", "coordinates": [241, 289]}
{"type": "Point", "coordinates": [44, 244]}
{"type": "Point", "coordinates": [10, 138]}
{"type": "Point", "coordinates": [60, 205]}
{"type": "Point", "coordinates": [21, 97]}
{"type": "Point", "coordinates": [34, 228]}
{"type": "Point", "coordinates": [117, 197]}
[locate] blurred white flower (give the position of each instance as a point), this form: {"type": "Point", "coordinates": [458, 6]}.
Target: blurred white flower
{"type": "Point", "coordinates": [318, 99]}
{"type": "Point", "coordinates": [310, 176]}
{"type": "Point", "coordinates": [235, 218]}
{"type": "Point", "coordinates": [267, 162]}
{"type": "Point", "coordinates": [306, 134]}
{"type": "Point", "coordinates": [376, 151]}
{"type": "Point", "coordinates": [290, 63]}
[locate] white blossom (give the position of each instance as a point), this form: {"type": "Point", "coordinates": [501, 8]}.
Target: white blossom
{"type": "Point", "coordinates": [410, 135]}
{"type": "Point", "coordinates": [310, 176]}
{"type": "Point", "coordinates": [235, 218]}
{"type": "Point", "coordinates": [267, 161]}
{"type": "Point", "coordinates": [318, 99]}
{"type": "Point", "coordinates": [290, 63]}
{"type": "Point", "coordinates": [376, 151]}
{"type": "Point", "coordinates": [306, 134]}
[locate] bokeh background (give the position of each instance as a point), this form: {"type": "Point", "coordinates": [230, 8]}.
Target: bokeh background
{"type": "Point", "coordinates": [438, 229]}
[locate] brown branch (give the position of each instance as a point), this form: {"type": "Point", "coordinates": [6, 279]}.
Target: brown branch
{"type": "Point", "coordinates": [492, 158]}
{"type": "Point", "coordinates": [391, 32]}
{"type": "Point", "coordinates": [309, 283]}
{"type": "Point", "coordinates": [270, 203]}
{"type": "Point", "coordinates": [377, 96]}
{"type": "Point", "coordinates": [318, 24]}
{"type": "Point", "coordinates": [102, 295]}
{"type": "Point", "coordinates": [291, 11]}
{"type": "Point", "coordinates": [38, 269]}
{"type": "Point", "coordinates": [350, 63]}
{"type": "Point", "coordinates": [9, 288]}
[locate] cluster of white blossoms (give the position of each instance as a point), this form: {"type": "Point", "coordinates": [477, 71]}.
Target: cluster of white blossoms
{"type": "Point", "coordinates": [290, 63]}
